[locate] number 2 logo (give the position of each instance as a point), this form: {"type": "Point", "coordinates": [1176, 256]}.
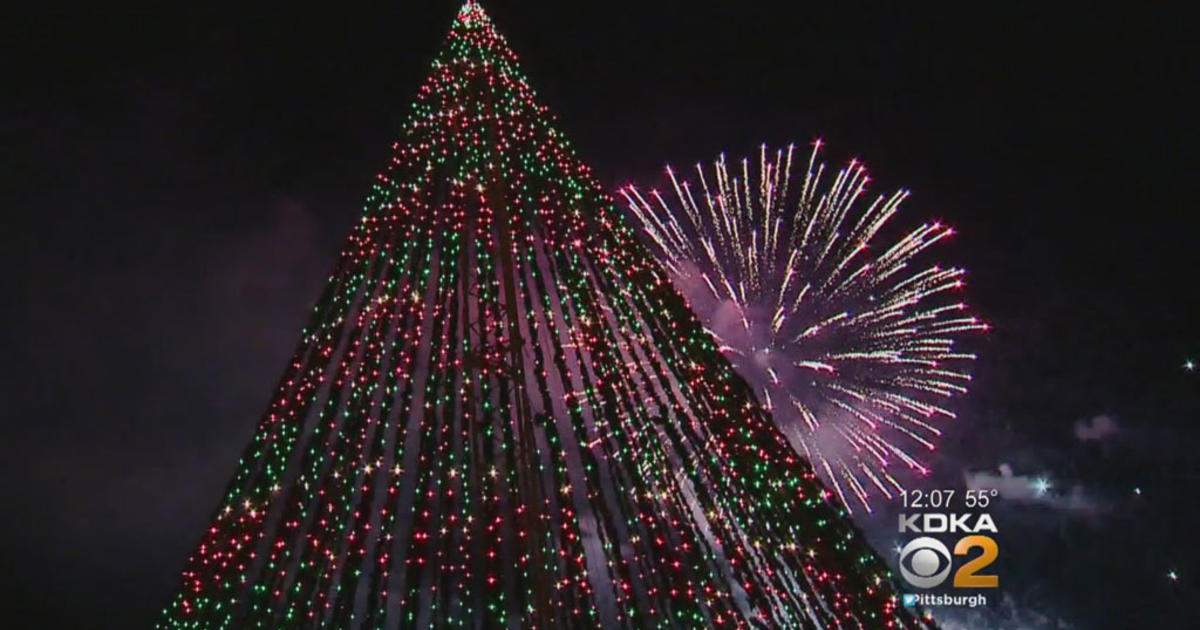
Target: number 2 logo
{"type": "Point", "coordinates": [925, 562]}
{"type": "Point", "coordinates": [967, 575]}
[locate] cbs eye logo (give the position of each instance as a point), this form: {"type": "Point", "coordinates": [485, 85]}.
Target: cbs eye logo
{"type": "Point", "coordinates": [925, 562]}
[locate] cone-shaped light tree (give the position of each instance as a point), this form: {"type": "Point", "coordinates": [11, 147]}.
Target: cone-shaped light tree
{"type": "Point", "coordinates": [501, 414]}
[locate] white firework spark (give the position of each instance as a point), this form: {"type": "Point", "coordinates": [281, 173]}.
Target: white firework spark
{"type": "Point", "coordinates": [848, 343]}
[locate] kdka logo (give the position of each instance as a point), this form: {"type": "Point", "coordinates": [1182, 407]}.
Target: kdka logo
{"type": "Point", "coordinates": [926, 562]}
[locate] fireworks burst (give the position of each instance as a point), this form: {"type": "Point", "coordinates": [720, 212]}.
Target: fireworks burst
{"type": "Point", "coordinates": [849, 345]}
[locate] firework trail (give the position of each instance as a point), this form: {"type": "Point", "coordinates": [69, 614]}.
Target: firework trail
{"type": "Point", "coordinates": [849, 344]}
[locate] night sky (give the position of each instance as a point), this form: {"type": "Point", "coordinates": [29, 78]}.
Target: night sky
{"type": "Point", "coordinates": [176, 183]}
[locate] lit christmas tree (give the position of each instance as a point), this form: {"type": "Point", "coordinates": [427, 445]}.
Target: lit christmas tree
{"type": "Point", "coordinates": [501, 414]}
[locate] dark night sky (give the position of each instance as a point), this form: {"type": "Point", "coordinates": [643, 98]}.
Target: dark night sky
{"type": "Point", "coordinates": [176, 182]}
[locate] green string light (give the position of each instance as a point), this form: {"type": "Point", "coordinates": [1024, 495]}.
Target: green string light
{"type": "Point", "coordinates": [502, 414]}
